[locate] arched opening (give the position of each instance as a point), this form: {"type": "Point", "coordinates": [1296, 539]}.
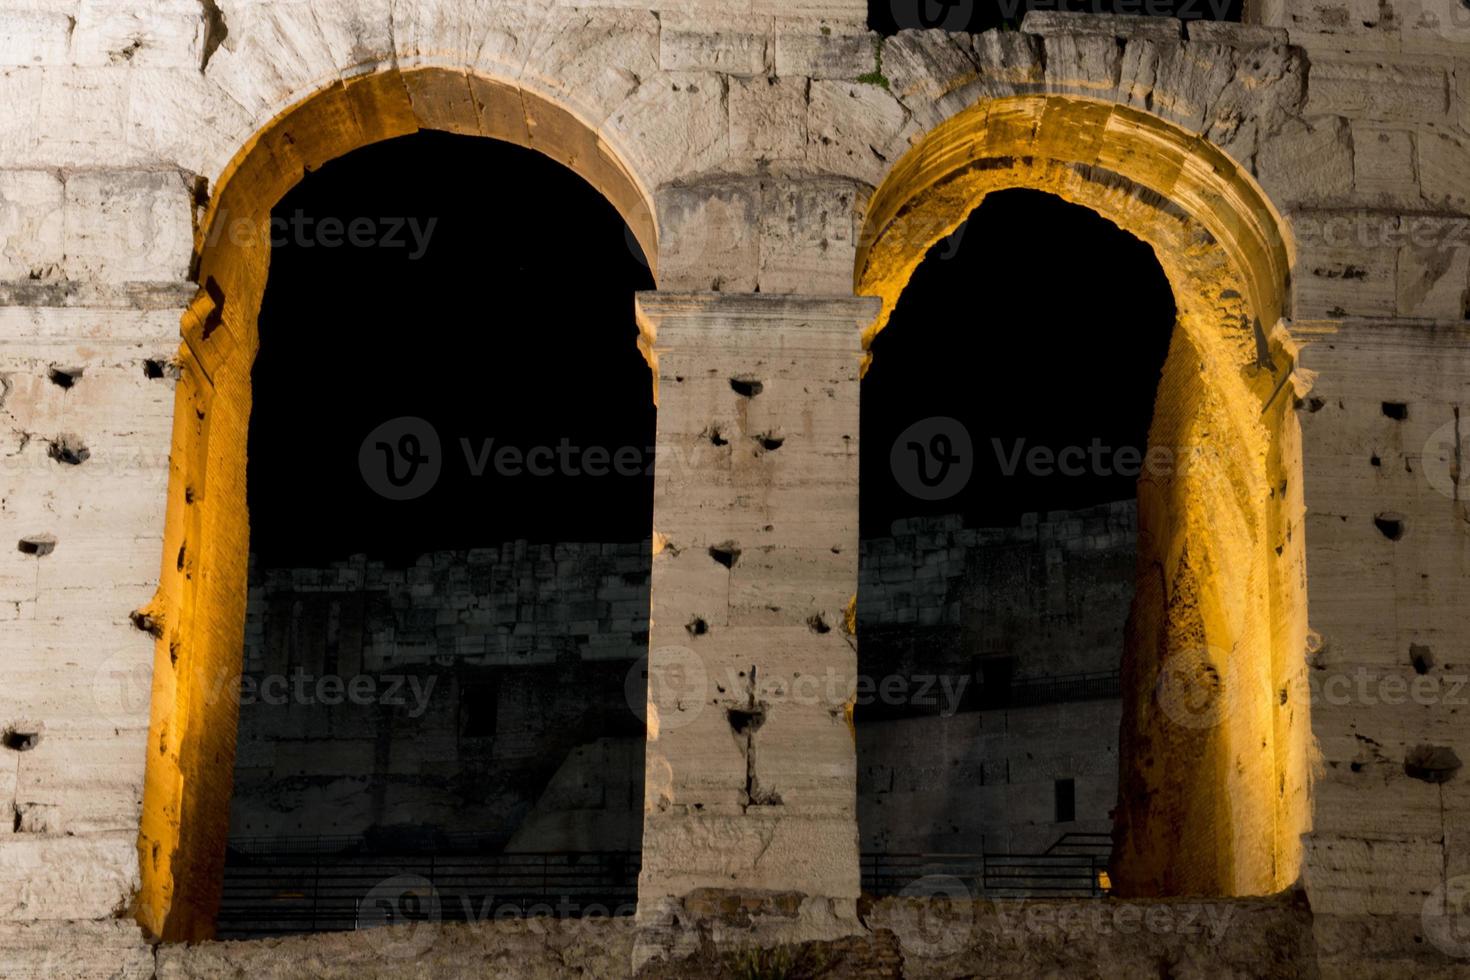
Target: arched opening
{"type": "Point", "coordinates": [1006, 421]}
{"type": "Point", "coordinates": [1213, 744]}
{"type": "Point", "coordinates": [447, 570]}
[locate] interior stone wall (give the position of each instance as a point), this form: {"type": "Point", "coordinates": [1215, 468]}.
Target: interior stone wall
{"type": "Point", "coordinates": [366, 690]}
{"type": "Point", "coordinates": [744, 145]}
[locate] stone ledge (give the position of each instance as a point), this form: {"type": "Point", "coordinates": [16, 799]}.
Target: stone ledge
{"type": "Point", "coordinates": [1050, 23]}
{"type": "Point", "coordinates": [1235, 35]}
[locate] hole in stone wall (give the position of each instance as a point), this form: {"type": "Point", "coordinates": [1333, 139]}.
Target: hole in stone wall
{"type": "Point", "coordinates": [746, 387]}
{"type": "Point", "coordinates": [64, 377]}
{"type": "Point", "coordinates": [147, 623]}
{"type": "Point", "coordinates": [68, 449]}
{"type": "Point", "coordinates": [727, 553]}
{"type": "Point", "coordinates": [715, 436]}
{"type": "Point", "coordinates": [1398, 411]}
{"type": "Point", "coordinates": [20, 739]}
{"type": "Point", "coordinates": [770, 441]}
{"type": "Point", "coordinates": [1431, 763]}
{"type": "Point", "coordinates": [1391, 525]}
{"type": "Point", "coordinates": [746, 721]}
{"type": "Point", "coordinates": [697, 627]}
{"type": "Point", "coordinates": [216, 314]}
{"type": "Point", "coordinates": [39, 545]}
{"type": "Point", "coordinates": [817, 624]}
{"type": "Point", "coordinates": [1422, 657]}
{"type": "Point", "coordinates": [155, 368]}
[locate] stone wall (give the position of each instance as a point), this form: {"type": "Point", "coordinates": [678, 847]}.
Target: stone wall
{"type": "Point", "coordinates": [446, 696]}
{"type": "Point", "coordinates": [441, 697]}
{"type": "Point", "coordinates": [1303, 179]}
{"type": "Point", "coordinates": [1051, 592]}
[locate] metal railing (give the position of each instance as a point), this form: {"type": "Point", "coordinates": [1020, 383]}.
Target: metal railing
{"type": "Point", "coordinates": [331, 884]}
{"type": "Point", "coordinates": [1072, 867]}
{"type": "Point", "coordinates": [305, 887]}
{"type": "Point", "coordinates": [1026, 692]}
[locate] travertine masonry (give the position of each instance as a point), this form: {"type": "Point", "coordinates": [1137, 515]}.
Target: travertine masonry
{"type": "Point", "coordinates": [1305, 180]}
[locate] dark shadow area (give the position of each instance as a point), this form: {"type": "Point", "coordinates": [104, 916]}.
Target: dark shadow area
{"type": "Point", "coordinates": [888, 17]}
{"type": "Point", "coordinates": [1005, 421]}
{"type": "Point", "coordinates": [493, 299]}
{"type": "Point", "coordinates": [450, 485]}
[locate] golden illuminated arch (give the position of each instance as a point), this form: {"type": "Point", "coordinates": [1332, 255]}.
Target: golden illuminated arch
{"type": "Point", "coordinates": [1214, 747]}
{"type": "Point", "coordinates": [199, 610]}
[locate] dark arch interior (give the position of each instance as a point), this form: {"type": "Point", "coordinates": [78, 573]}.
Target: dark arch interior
{"type": "Point", "coordinates": [1037, 324]}
{"type": "Point", "coordinates": [991, 608]}
{"type": "Point", "coordinates": [495, 301]}
{"type": "Point", "coordinates": [891, 16]}
{"type": "Point", "coordinates": [445, 613]}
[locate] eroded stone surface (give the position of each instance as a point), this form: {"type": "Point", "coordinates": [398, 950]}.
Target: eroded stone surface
{"type": "Point", "coordinates": [744, 149]}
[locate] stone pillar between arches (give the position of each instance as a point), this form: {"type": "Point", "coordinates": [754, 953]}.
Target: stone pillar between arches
{"type": "Point", "coordinates": [750, 806]}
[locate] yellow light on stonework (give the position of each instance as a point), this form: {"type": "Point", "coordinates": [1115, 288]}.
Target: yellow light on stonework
{"type": "Point", "coordinates": [1104, 883]}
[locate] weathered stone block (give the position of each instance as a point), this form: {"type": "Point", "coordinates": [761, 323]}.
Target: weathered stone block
{"type": "Point", "coordinates": [36, 37]}
{"type": "Point", "coordinates": [128, 226]}
{"type": "Point", "coordinates": [1381, 90]}
{"type": "Point", "coordinates": [31, 221]}
{"type": "Point", "coordinates": [83, 877]}
{"type": "Point", "coordinates": [170, 34]}
{"type": "Point", "coordinates": [696, 49]}
{"type": "Point", "coordinates": [826, 55]}
{"type": "Point", "coordinates": [1383, 164]}
{"type": "Point", "coordinates": [1310, 163]}
{"type": "Point", "coordinates": [808, 238]}
{"type": "Point", "coordinates": [768, 118]}
{"type": "Point", "coordinates": [1049, 23]}
{"type": "Point", "coordinates": [1434, 281]}
{"type": "Point", "coordinates": [1444, 169]}
{"type": "Point", "coordinates": [853, 128]}
{"type": "Point", "coordinates": [711, 236]}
